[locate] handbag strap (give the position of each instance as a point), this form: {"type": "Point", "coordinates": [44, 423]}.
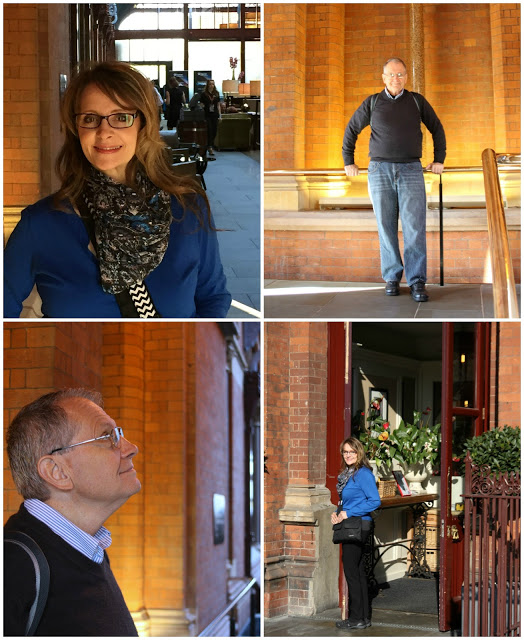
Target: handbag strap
{"type": "Point", "coordinates": [42, 577]}
{"type": "Point", "coordinates": [135, 302]}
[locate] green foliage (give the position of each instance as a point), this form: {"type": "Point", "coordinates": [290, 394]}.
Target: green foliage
{"type": "Point", "coordinates": [498, 448]}
{"type": "Point", "coordinates": [418, 441]}
{"type": "Point", "coordinates": [409, 443]}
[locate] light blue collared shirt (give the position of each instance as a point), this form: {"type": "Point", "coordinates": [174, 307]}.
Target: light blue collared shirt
{"type": "Point", "coordinates": [394, 97]}
{"type": "Point", "coordinates": [90, 546]}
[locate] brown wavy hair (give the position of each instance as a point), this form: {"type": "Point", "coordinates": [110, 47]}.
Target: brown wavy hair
{"type": "Point", "coordinates": [128, 88]}
{"type": "Point", "coordinates": [215, 90]}
{"type": "Point", "coordinates": [358, 447]}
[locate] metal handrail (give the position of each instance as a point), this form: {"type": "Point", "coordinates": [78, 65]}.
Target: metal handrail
{"type": "Point", "coordinates": [502, 166]}
{"type": "Point", "coordinates": [504, 292]}
{"type": "Point", "coordinates": [209, 630]}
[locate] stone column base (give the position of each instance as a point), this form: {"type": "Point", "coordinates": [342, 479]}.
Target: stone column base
{"type": "Point", "coordinates": [161, 623]}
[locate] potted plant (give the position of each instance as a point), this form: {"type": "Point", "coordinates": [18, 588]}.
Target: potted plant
{"type": "Point", "coordinates": [497, 448]}
{"type": "Point", "coordinates": [416, 446]}
{"type": "Point", "coordinates": [376, 439]}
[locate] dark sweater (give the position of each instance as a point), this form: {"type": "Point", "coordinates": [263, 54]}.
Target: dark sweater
{"type": "Point", "coordinates": [84, 598]}
{"type": "Point", "coordinates": [396, 135]}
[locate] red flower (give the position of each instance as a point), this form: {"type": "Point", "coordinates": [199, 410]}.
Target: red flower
{"type": "Point", "coordinates": [386, 425]}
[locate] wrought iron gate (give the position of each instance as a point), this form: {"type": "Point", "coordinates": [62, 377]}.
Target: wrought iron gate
{"type": "Point", "coordinates": [491, 591]}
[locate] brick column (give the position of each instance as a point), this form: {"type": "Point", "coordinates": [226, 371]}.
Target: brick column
{"type": "Point", "coordinates": [302, 578]}
{"type": "Point", "coordinates": [324, 87]}
{"type": "Point", "coordinates": [284, 85]}
{"type": "Point", "coordinates": [505, 375]}
{"type": "Point", "coordinates": [123, 391]}
{"type": "Point", "coordinates": [505, 47]}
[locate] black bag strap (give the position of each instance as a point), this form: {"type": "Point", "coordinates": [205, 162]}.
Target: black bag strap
{"type": "Point", "coordinates": [42, 576]}
{"type": "Point", "coordinates": [135, 302]}
{"type": "Point", "coordinates": [374, 102]}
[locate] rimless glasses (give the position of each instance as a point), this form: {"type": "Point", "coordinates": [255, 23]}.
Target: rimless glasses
{"type": "Point", "coordinates": [115, 436]}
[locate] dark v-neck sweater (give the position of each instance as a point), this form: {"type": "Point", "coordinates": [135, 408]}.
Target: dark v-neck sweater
{"type": "Point", "coordinates": [84, 598]}
{"type": "Point", "coordinates": [396, 135]}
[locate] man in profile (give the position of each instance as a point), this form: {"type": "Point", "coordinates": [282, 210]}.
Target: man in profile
{"type": "Point", "coordinates": [74, 468]}
{"type": "Point", "coordinates": [395, 175]}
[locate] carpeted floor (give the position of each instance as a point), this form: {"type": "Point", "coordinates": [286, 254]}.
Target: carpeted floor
{"type": "Point", "coordinates": [414, 595]}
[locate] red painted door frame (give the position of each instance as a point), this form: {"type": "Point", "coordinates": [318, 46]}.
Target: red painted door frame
{"type": "Point", "coordinates": [338, 414]}
{"type": "Point", "coordinates": [451, 547]}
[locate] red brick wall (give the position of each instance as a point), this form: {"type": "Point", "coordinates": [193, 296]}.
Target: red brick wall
{"type": "Point", "coordinates": [472, 76]}
{"type": "Point", "coordinates": [211, 474]}
{"type": "Point", "coordinates": [295, 444]}
{"type": "Point", "coordinates": [39, 358]}
{"type": "Point", "coordinates": [505, 43]}
{"type": "Point", "coordinates": [36, 52]}
{"type": "Point", "coordinates": [284, 78]}
{"type": "Point", "coordinates": [354, 256]}
{"type": "Point", "coordinates": [166, 384]}
{"type": "Point", "coordinates": [276, 443]}
{"type": "Point", "coordinates": [506, 382]}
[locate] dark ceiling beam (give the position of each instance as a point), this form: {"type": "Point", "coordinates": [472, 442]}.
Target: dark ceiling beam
{"type": "Point", "coordinates": [191, 34]}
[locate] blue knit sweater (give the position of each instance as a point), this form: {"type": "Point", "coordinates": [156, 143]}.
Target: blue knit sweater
{"type": "Point", "coordinates": [49, 248]}
{"type": "Point", "coordinates": [360, 495]}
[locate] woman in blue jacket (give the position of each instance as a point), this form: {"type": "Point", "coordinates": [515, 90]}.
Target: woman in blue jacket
{"type": "Point", "coordinates": [123, 236]}
{"type": "Point", "coordinates": [358, 489]}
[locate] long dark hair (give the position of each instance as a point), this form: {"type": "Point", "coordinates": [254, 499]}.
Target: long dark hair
{"type": "Point", "coordinates": [127, 87]}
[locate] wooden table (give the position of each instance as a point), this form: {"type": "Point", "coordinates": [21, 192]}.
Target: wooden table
{"type": "Point", "coordinates": [420, 505]}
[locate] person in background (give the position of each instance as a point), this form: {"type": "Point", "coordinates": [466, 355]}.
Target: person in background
{"type": "Point", "coordinates": [357, 487]}
{"type": "Point", "coordinates": [159, 102]}
{"type": "Point", "coordinates": [210, 98]}
{"type": "Point", "coordinates": [175, 99]}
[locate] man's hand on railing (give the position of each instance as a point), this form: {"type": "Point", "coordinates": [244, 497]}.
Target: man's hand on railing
{"type": "Point", "coordinates": [351, 170]}
{"type": "Point", "coordinates": [435, 167]}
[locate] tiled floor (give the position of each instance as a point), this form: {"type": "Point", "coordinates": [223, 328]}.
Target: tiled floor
{"type": "Point", "coordinates": [233, 189]}
{"type": "Point", "coordinates": [286, 299]}
{"type": "Point", "coordinates": [385, 624]}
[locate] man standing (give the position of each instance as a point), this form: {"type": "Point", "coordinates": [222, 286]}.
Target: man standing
{"type": "Point", "coordinates": [395, 175]}
{"type": "Point", "coordinates": [74, 468]}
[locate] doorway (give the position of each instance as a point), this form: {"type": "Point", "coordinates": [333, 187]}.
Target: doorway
{"type": "Point", "coordinates": [442, 368]}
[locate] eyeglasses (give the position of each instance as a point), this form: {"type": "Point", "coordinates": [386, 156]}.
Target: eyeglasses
{"type": "Point", "coordinates": [348, 453]}
{"type": "Point", "coordinates": [115, 436]}
{"type": "Point", "coordinates": [395, 75]}
{"type": "Point", "coordinates": [115, 120]}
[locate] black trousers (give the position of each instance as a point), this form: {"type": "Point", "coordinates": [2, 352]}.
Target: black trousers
{"type": "Point", "coordinates": [212, 127]}
{"type": "Point", "coordinates": [353, 563]}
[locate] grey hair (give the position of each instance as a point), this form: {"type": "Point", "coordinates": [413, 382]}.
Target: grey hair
{"type": "Point", "coordinates": [37, 429]}
{"type": "Point", "coordinates": [393, 60]}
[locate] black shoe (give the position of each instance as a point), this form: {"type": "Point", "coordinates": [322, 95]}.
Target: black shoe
{"type": "Point", "coordinates": [349, 624]}
{"type": "Point", "coordinates": [418, 292]}
{"type": "Point", "coordinates": [392, 288]}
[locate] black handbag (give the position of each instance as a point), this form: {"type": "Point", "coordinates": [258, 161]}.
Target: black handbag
{"type": "Point", "coordinates": [349, 530]}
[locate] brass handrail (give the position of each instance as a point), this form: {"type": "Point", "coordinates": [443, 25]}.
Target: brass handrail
{"type": "Point", "coordinates": [212, 627]}
{"type": "Point", "coordinates": [502, 167]}
{"type": "Point", "coordinates": [504, 292]}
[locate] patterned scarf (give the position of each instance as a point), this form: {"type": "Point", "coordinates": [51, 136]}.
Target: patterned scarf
{"type": "Point", "coordinates": [131, 228]}
{"type": "Point", "coordinates": [343, 479]}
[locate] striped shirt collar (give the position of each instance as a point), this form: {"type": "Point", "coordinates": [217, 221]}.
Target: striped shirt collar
{"type": "Point", "coordinates": [393, 97]}
{"type": "Point", "coordinates": [90, 546]}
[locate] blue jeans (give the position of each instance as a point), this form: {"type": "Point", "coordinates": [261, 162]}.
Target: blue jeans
{"type": "Point", "coordinates": [398, 188]}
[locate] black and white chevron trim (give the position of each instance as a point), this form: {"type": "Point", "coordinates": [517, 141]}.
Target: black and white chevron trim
{"type": "Point", "coordinates": [142, 301]}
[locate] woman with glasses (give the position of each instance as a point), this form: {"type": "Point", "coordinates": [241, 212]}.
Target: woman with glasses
{"type": "Point", "coordinates": [123, 236]}
{"type": "Point", "coordinates": [358, 493]}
